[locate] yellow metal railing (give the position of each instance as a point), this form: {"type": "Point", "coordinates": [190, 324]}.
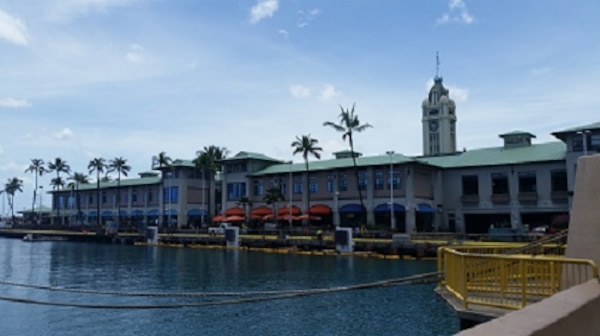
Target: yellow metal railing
{"type": "Point", "coordinates": [509, 281]}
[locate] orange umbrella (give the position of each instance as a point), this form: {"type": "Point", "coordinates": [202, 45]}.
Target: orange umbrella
{"type": "Point", "coordinates": [218, 218]}
{"type": "Point", "coordinates": [234, 218]}
{"type": "Point", "coordinates": [305, 216]}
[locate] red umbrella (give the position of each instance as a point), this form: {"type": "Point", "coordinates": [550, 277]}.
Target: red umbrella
{"type": "Point", "coordinates": [234, 218]}
{"type": "Point", "coordinates": [218, 218]}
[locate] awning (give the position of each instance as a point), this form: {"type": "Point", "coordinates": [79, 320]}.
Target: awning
{"type": "Point", "coordinates": [92, 214]}
{"type": "Point", "coordinates": [153, 212]}
{"type": "Point", "coordinates": [319, 209]}
{"type": "Point", "coordinates": [286, 210]}
{"type": "Point", "coordinates": [170, 212]}
{"type": "Point", "coordinates": [123, 213]}
{"type": "Point", "coordinates": [137, 213]}
{"type": "Point", "coordinates": [235, 212]}
{"type": "Point", "coordinates": [261, 211]}
{"type": "Point", "coordinates": [351, 208]}
{"type": "Point", "coordinates": [197, 212]}
{"type": "Point", "coordinates": [425, 208]}
{"type": "Point", "coordinates": [107, 213]}
{"type": "Point", "coordinates": [385, 207]}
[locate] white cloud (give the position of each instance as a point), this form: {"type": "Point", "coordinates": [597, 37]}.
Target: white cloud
{"type": "Point", "coordinates": [459, 95]}
{"type": "Point", "coordinates": [9, 102]}
{"type": "Point", "coordinates": [283, 32]}
{"type": "Point", "coordinates": [12, 29]}
{"type": "Point", "coordinates": [306, 17]}
{"type": "Point", "coordinates": [457, 13]}
{"type": "Point", "coordinates": [299, 91]}
{"type": "Point", "coordinates": [328, 92]}
{"type": "Point", "coordinates": [263, 9]}
{"type": "Point", "coordinates": [135, 54]}
{"type": "Point", "coordinates": [64, 134]}
{"type": "Point", "coordinates": [65, 10]}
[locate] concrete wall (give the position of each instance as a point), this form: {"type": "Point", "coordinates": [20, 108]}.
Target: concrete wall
{"type": "Point", "coordinates": [570, 312]}
{"type": "Point", "coordinates": [584, 226]}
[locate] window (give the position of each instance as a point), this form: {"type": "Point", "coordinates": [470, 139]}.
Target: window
{"type": "Point", "coordinates": [174, 195]}
{"type": "Point", "coordinates": [298, 185]}
{"type": "Point", "coordinates": [283, 187]}
{"type": "Point", "coordinates": [313, 184]}
{"type": "Point", "coordinates": [236, 191]}
{"type": "Point", "coordinates": [258, 187]}
{"type": "Point", "coordinates": [90, 199]}
{"type": "Point", "coordinates": [343, 182]}
{"type": "Point", "coordinates": [362, 180]}
{"type": "Point", "coordinates": [594, 142]}
{"type": "Point", "coordinates": [470, 185]}
{"type": "Point", "coordinates": [236, 167]}
{"type": "Point", "coordinates": [395, 179]}
{"type": "Point", "coordinates": [150, 195]}
{"type": "Point", "coordinates": [558, 180]}
{"type": "Point", "coordinates": [330, 183]}
{"type": "Point", "coordinates": [499, 184]}
{"type": "Point", "coordinates": [104, 197]}
{"type": "Point", "coordinates": [378, 180]}
{"type": "Point", "coordinates": [527, 182]}
{"type": "Point", "coordinates": [125, 198]}
{"type": "Point", "coordinates": [134, 197]}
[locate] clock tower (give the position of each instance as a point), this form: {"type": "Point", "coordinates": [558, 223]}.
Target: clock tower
{"type": "Point", "coordinates": [439, 121]}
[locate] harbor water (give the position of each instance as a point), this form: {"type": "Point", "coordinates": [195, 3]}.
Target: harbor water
{"type": "Point", "coordinates": [388, 310]}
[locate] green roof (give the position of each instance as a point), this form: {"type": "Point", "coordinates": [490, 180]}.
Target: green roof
{"type": "Point", "coordinates": [130, 182]}
{"type": "Point", "coordinates": [587, 127]}
{"type": "Point", "coordinates": [517, 132]}
{"type": "Point", "coordinates": [316, 165]}
{"type": "Point", "coordinates": [551, 151]}
{"type": "Point", "coordinates": [251, 155]}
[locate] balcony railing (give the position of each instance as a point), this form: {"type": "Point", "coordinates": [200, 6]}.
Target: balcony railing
{"type": "Point", "coordinates": [500, 198]}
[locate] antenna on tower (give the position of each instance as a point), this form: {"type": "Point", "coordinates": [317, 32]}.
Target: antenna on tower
{"type": "Point", "coordinates": [437, 65]}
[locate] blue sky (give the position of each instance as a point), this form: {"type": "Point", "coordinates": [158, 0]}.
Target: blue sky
{"type": "Point", "coordinates": [104, 78]}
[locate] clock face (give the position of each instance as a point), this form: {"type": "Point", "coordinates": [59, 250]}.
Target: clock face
{"type": "Point", "coordinates": [433, 125]}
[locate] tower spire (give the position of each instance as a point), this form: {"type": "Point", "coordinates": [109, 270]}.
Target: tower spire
{"type": "Point", "coordinates": [437, 65]}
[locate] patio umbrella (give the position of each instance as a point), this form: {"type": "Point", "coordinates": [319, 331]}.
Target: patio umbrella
{"type": "Point", "coordinates": [218, 218]}
{"type": "Point", "coordinates": [234, 218]}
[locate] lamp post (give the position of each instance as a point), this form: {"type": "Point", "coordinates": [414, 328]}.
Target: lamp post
{"type": "Point", "coordinates": [290, 193]}
{"type": "Point", "coordinates": [584, 139]}
{"type": "Point", "coordinates": [392, 218]}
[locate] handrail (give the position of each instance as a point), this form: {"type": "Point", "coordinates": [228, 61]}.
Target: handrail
{"type": "Point", "coordinates": [509, 281]}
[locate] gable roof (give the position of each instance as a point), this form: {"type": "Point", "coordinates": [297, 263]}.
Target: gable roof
{"type": "Point", "coordinates": [317, 165]}
{"type": "Point", "coordinates": [494, 156]}
{"type": "Point", "coordinates": [250, 155]}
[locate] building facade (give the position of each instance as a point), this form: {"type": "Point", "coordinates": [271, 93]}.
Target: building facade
{"type": "Point", "coordinates": [518, 184]}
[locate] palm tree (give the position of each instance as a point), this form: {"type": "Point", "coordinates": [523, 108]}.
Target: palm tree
{"type": "Point", "coordinates": [307, 146]}
{"type": "Point", "coordinates": [37, 168]}
{"type": "Point", "coordinates": [208, 161]}
{"type": "Point", "coordinates": [349, 124]}
{"type": "Point", "coordinates": [120, 166]}
{"type": "Point", "coordinates": [59, 166]}
{"type": "Point", "coordinates": [11, 187]}
{"type": "Point", "coordinates": [78, 179]}
{"type": "Point", "coordinates": [272, 196]}
{"type": "Point", "coordinates": [97, 165]}
{"type": "Point", "coordinates": [163, 161]}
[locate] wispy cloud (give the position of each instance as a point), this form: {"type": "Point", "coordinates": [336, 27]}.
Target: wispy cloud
{"type": "Point", "coordinates": [66, 10]}
{"type": "Point", "coordinates": [64, 134]}
{"type": "Point", "coordinates": [305, 17]}
{"type": "Point", "coordinates": [457, 13]}
{"type": "Point", "coordinates": [299, 91]}
{"type": "Point", "coordinates": [12, 29]}
{"type": "Point", "coordinates": [328, 92]}
{"type": "Point", "coordinates": [458, 94]}
{"type": "Point", "coordinates": [135, 54]}
{"type": "Point", "coordinates": [283, 32]}
{"type": "Point", "coordinates": [263, 9]}
{"type": "Point", "coordinates": [9, 102]}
